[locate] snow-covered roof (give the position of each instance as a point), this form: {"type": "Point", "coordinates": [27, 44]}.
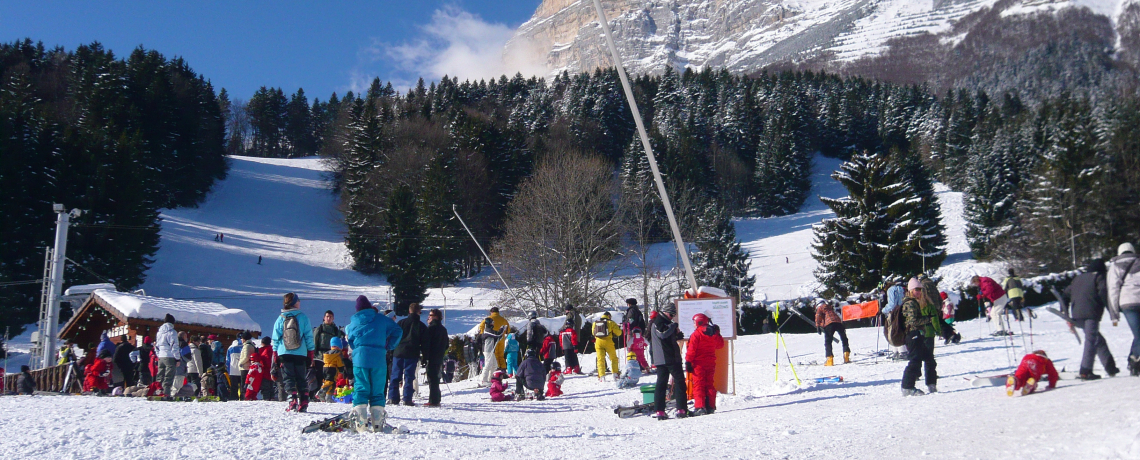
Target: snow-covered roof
{"type": "Point", "coordinates": [85, 289]}
{"type": "Point", "coordinates": [184, 311]}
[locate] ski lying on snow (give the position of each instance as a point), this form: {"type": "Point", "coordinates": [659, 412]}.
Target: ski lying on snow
{"type": "Point", "coordinates": [342, 422]}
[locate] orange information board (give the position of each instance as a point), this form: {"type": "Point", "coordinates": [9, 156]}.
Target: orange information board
{"type": "Point", "coordinates": [860, 310]}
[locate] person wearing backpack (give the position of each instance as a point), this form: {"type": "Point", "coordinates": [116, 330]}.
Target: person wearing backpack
{"type": "Point", "coordinates": [293, 343]}
{"type": "Point", "coordinates": [1123, 281]}
{"type": "Point", "coordinates": [1016, 294]}
{"type": "Point", "coordinates": [605, 330]}
{"type": "Point", "coordinates": [632, 320]}
{"type": "Point", "coordinates": [923, 323]}
{"type": "Point", "coordinates": [895, 293]}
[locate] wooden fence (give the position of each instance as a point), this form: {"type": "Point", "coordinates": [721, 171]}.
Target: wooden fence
{"type": "Point", "coordinates": [47, 379]}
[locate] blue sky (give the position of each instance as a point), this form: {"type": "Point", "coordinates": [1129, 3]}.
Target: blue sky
{"type": "Point", "coordinates": [319, 46]}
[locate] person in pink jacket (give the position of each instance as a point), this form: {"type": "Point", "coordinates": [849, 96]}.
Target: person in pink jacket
{"type": "Point", "coordinates": [498, 388]}
{"type": "Point", "coordinates": [990, 291]}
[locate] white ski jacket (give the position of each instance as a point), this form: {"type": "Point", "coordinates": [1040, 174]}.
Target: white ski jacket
{"type": "Point", "coordinates": [1123, 284]}
{"type": "Point", "coordinates": [166, 342]}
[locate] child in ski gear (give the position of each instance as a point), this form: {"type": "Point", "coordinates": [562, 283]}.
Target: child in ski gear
{"type": "Point", "coordinates": [605, 331]}
{"type": "Point", "coordinates": [1086, 299]}
{"type": "Point", "coordinates": [554, 381]}
{"type": "Point", "coordinates": [532, 373]}
{"type": "Point", "coordinates": [1123, 279]}
{"type": "Point", "coordinates": [923, 323]}
{"type": "Point", "coordinates": [1033, 367]}
{"type": "Point", "coordinates": [333, 368]}
{"type": "Point", "coordinates": [1015, 293]}
{"type": "Point", "coordinates": [370, 335]}
{"type": "Point", "coordinates": [548, 352]}
{"type": "Point", "coordinates": [293, 343]}
{"type": "Point", "coordinates": [632, 373]}
{"type": "Point", "coordinates": [667, 358]}
{"type": "Point", "coordinates": [568, 337]}
{"type": "Point", "coordinates": [498, 388]}
{"type": "Point", "coordinates": [97, 374]}
{"type": "Point", "coordinates": [489, 335]}
{"type": "Point", "coordinates": [637, 345]}
{"type": "Point", "coordinates": [700, 359]}
{"type": "Point", "coordinates": [512, 354]}
{"type": "Point", "coordinates": [948, 309]}
{"type": "Point", "coordinates": [828, 320]}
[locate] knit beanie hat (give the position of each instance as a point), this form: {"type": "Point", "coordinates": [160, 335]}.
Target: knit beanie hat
{"type": "Point", "coordinates": [336, 342]}
{"type": "Point", "coordinates": [913, 284]}
{"type": "Point", "coordinates": [168, 319]}
{"type": "Point", "coordinates": [362, 303]}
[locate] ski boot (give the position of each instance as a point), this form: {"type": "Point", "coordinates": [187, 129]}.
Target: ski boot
{"type": "Point", "coordinates": [957, 338]}
{"type": "Point", "coordinates": [661, 415]}
{"type": "Point", "coordinates": [932, 388]}
{"type": "Point", "coordinates": [1010, 383]}
{"type": "Point", "coordinates": [1087, 376]}
{"type": "Point", "coordinates": [699, 412]}
{"type": "Point", "coordinates": [1134, 366]}
{"type": "Point", "coordinates": [682, 413]}
{"type": "Point", "coordinates": [304, 406]}
{"type": "Point", "coordinates": [294, 405]}
{"type": "Point", "coordinates": [847, 357]}
{"type": "Point", "coordinates": [912, 392]}
{"type": "Point", "coordinates": [1030, 386]}
{"type": "Point", "coordinates": [359, 419]}
{"type": "Point", "coordinates": [379, 417]}
{"type": "Point", "coordinates": [830, 361]}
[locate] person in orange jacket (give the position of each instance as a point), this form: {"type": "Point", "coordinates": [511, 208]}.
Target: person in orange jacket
{"type": "Point", "coordinates": [829, 321]}
{"type": "Point", "coordinates": [700, 361]}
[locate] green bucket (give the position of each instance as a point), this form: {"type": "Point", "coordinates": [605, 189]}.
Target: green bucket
{"type": "Point", "coordinates": [647, 393]}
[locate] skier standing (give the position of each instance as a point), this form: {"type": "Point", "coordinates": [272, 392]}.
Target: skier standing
{"type": "Point", "coordinates": [1016, 294]}
{"type": "Point", "coordinates": [435, 348]}
{"type": "Point", "coordinates": [700, 360]}
{"type": "Point", "coordinates": [568, 338]}
{"type": "Point", "coordinates": [1087, 296]}
{"type": "Point", "coordinates": [490, 340]}
{"type": "Point", "coordinates": [167, 349]}
{"type": "Point", "coordinates": [1124, 297]}
{"type": "Point", "coordinates": [573, 315]}
{"type": "Point", "coordinates": [826, 319]}
{"type": "Point", "coordinates": [497, 323]}
{"type": "Point", "coordinates": [632, 320]}
{"type": "Point", "coordinates": [122, 359]}
{"type": "Point", "coordinates": [512, 353]}
{"type": "Point", "coordinates": [406, 356]}
{"type": "Point", "coordinates": [370, 335]}
{"type": "Point", "coordinates": [605, 332]}
{"type": "Point", "coordinates": [990, 291]}
{"type": "Point", "coordinates": [293, 343]}
{"type": "Point", "coordinates": [247, 351]}
{"type": "Point", "coordinates": [923, 323]}
{"type": "Point", "coordinates": [667, 358]}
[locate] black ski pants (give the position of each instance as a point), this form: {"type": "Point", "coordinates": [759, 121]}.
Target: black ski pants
{"type": "Point", "coordinates": [571, 355]}
{"type": "Point", "coordinates": [433, 368]}
{"type": "Point", "coordinates": [1095, 347]}
{"type": "Point", "coordinates": [829, 333]}
{"type": "Point", "coordinates": [293, 370]}
{"type": "Point", "coordinates": [664, 371]}
{"type": "Point", "coordinates": [920, 351]}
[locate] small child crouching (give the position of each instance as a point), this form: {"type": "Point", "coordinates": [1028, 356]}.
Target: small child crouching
{"type": "Point", "coordinates": [554, 380]}
{"type": "Point", "coordinates": [632, 373]}
{"type": "Point", "coordinates": [1033, 367]}
{"type": "Point", "coordinates": [498, 388]}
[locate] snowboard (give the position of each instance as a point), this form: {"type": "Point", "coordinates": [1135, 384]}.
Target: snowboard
{"type": "Point", "coordinates": [641, 409]}
{"type": "Point", "coordinates": [1062, 314]}
{"type": "Point", "coordinates": [342, 422]}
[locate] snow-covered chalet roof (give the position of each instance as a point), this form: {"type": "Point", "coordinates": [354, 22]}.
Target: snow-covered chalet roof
{"type": "Point", "coordinates": [184, 311]}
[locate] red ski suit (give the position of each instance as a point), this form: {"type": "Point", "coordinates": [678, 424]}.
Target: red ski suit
{"type": "Point", "coordinates": [638, 346]}
{"type": "Point", "coordinates": [259, 362]}
{"type": "Point", "coordinates": [554, 384]}
{"type": "Point", "coordinates": [1035, 366]}
{"type": "Point", "coordinates": [97, 373]}
{"type": "Point", "coordinates": [701, 352]}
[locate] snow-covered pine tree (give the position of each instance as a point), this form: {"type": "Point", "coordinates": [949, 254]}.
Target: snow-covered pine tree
{"type": "Point", "coordinates": [991, 191]}
{"type": "Point", "coordinates": [876, 229]}
{"type": "Point", "coordinates": [365, 156]}
{"type": "Point", "coordinates": [402, 250]}
{"type": "Point", "coordinates": [918, 238]}
{"type": "Point", "coordinates": [719, 261]}
{"type": "Point", "coordinates": [782, 173]}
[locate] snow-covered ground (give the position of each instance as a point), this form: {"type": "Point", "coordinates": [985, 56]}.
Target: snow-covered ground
{"type": "Point", "coordinates": [863, 417]}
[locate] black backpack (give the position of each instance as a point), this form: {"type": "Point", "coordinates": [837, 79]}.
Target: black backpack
{"type": "Point", "coordinates": [894, 329]}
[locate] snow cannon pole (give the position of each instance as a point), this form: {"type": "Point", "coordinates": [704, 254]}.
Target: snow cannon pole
{"type": "Point", "coordinates": [648, 147]}
{"type": "Point", "coordinates": [485, 256]}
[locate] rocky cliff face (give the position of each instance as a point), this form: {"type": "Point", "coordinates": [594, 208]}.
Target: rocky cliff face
{"type": "Point", "coordinates": [750, 35]}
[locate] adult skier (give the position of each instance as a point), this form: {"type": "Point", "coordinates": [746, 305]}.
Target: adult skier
{"type": "Point", "coordinates": [664, 335]}
{"type": "Point", "coordinates": [406, 356]}
{"type": "Point", "coordinates": [371, 336]}
{"type": "Point", "coordinates": [605, 332]}
{"type": "Point", "coordinates": [632, 320]}
{"type": "Point", "coordinates": [573, 315]}
{"type": "Point", "coordinates": [435, 348]}
{"type": "Point", "coordinates": [122, 360]}
{"type": "Point", "coordinates": [989, 291]}
{"type": "Point", "coordinates": [568, 338]}
{"type": "Point", "coordinates": [293, 343]}
{"type": "Point", "coordinates": [324, 333]}
{"type": "Point", "coordinates": [497, 323]}
{"type": "Point", "coordinates": [829, 321]}
{"type": "Point", "coordinates": [489, 337]}
{"type": "Point", "coordinates": [700, 360]}
{"type": "Point", "coordinates": [1124, 297]}
{"type": "Point", "coordinates": [1086, 298]}
{"type": "Point", "coordinates": [168, 352]}
{"type": "Point", "coordinates": [923, 324]}
{"type": "Point", "coordinates": [1013, 289]}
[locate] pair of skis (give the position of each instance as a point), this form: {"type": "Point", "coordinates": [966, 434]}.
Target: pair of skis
{"type": "Point", "coordinates": [343, 422]}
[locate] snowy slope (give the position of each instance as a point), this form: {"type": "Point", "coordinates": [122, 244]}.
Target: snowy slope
{"type": "Point", "coordinates": [862, 418]}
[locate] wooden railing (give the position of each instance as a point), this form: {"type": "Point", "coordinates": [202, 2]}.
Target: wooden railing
{"type": "Point", "coordinates": [47, 379]}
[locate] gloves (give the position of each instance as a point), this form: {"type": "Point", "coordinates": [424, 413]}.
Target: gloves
{"type": "Point", "coordinates": [688, 367]}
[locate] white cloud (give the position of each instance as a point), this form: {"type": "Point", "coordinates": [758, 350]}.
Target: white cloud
{"type": "Point", "coordinates": [455, 43]}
